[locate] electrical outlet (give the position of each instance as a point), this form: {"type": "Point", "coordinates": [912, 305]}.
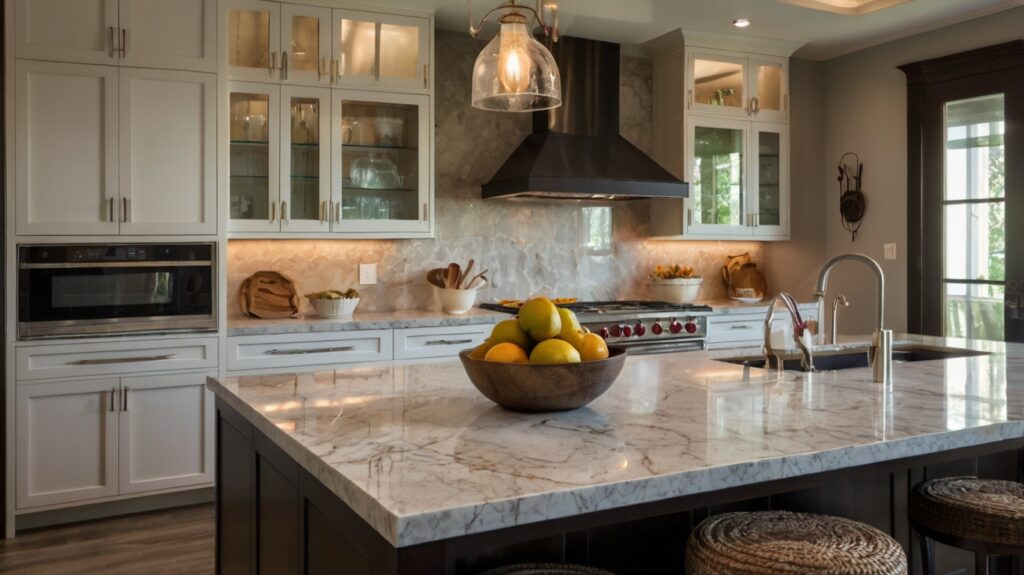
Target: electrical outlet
{"type": "Point", "coordinates": [367, 274]}
{"type": "Point", "coordinates": [890, 251]}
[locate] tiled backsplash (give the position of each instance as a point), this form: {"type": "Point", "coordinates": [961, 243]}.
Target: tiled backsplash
{"type": "Point", "coordinates": [556, 248]}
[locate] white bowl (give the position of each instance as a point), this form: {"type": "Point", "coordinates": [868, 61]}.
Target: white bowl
{"type": "Point", "coordinates": [455, 301]}
{"type": "Point", "coordinates": [334, 308]}
{"type": "Point", "coordinates": [679, 290]}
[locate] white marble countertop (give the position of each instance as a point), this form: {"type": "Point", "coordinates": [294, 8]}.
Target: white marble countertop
{"type": "Point", "coordinates": [421, 455]}
{"type": "Point", "coordinates": [360, 321]}
{"type": "Point", "coordinates": [731, 306]}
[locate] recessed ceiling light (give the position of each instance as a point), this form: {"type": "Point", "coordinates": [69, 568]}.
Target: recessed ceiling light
{"type": "Point", "coordinates": [741, 23]}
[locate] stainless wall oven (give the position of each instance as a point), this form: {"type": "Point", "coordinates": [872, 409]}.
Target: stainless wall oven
{"type": "Point", "coordinates": [75, 290]}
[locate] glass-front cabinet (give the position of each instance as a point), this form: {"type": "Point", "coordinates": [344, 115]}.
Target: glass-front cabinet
{"type": "Point", "coordinates": [305, 44]}
{"type": "Point", "coordinates": [305, 159]}
{"type": "Point", "coordinates": [383, 50]}
{"type": "Point", "coordinates": [380, 162]}
{"type": "Point", "coordinates": [254, 38]}
{"type": "Point", "coordinates": [770, 179]}
{"type": "Point", "coordinates": [254, 157]}
{"type": "Point", "coordinates": [725, 83]}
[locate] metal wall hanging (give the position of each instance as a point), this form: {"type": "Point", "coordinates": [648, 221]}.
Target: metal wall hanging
{"type": "Point", "coordinates": [852, 202]}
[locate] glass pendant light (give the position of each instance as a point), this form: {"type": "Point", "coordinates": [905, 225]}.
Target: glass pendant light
{"type": "Point", "coordinates": [515, 72]}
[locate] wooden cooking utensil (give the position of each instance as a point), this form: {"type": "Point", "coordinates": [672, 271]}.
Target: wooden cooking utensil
{"type": "Point", "coordinates": [437, 276]}
{"type": "Point", "coordinates": [465, 274]}
{"type": "Point", "coordinates": [479, 275]}
{"type": "Point", "coordinates": [452, 279]}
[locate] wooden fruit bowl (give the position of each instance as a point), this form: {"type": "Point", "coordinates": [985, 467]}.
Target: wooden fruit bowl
{"type": "Point", "coordinates": [542, 388]}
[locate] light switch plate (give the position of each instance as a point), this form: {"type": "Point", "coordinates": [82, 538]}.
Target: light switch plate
{"type": "Point", "coordinates": [890, 251]}
{"type": "Point", "coordinates": [367, 274]}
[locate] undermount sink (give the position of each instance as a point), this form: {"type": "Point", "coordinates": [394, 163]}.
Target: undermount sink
{"type": "Point", "coordinates": [851, 359]}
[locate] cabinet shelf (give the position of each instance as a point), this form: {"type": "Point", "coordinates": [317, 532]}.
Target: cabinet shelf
{"type": "Point", "coordinates": [249, 143]}
{"type": "Point", "coordinates": [367, 148]}
{"type": "Point", "coordinates": [355, 189]}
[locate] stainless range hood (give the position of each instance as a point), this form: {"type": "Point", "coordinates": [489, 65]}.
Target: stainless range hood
{"type": "Point", "coordinates": [575, 151]}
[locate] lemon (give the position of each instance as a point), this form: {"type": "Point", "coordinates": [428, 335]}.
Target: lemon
{"type": "Point", "coordinates": [506, 353]}
{"type": "Point", "coordinates": [509, 331]}
{"type": "Point", "coordinates": [593, 347]}
{"type": "Point", "coordinates": [554, 351]}
{"type": "Point", "coordinates": [481, 350]}
{"type": "Point", "coordinates": [540, 318]}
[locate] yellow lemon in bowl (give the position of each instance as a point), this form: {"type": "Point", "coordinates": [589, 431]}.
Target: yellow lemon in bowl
{"type": "Point", "coordinates": [480, 351]}
{"type": "Point", "coordinates": [554, 351]}
{"type": "Point", "coordinates": [509, 331]}
{"type": "Point", "coordinates": [506, 353]}
{"type": "Point", "coordinates": [593, 347]}
{"type": "Point", "coordinates": [540, 318]}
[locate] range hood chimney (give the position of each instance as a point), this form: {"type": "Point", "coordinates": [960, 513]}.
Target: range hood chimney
{"type": "Point", "coordinates": [575, 151]}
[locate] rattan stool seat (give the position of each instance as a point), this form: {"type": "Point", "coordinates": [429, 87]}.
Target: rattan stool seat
{"type": "Point", "coordinates": [981, 510]}
{"type": "Point", "coordinates": [545, 569]}
{"type": "Point", "coordinates": [780, 542]}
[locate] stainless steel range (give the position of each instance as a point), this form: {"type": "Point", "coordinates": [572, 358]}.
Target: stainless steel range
{"type": "Point", "coordinates": [641, 326]}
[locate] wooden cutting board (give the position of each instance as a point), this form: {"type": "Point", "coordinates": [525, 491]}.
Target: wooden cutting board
{"type": "Point", "coordinates": [268, 295]}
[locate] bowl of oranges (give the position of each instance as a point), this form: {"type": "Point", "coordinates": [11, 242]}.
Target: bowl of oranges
{"type": "Point", "coordinates": [543, 361]}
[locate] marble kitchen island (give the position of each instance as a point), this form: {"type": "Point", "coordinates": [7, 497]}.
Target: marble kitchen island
{"type": "Point", "coordinates": [408, 469]}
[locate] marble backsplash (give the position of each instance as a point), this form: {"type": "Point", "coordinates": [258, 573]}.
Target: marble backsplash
{"type": "Point", "coordinates": [556, 248]}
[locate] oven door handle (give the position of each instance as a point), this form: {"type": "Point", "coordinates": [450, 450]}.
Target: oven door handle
{"type": "Point", "coordinates": [138, 359]}
{"type": "Point", "coordinates": [83, 265]}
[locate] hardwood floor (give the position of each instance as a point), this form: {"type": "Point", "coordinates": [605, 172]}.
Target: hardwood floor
{"type": "Point", "coordinates": [174, 541]}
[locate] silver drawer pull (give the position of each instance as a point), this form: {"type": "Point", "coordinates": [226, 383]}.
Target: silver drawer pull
{"type": "Point", "coordinates": [742, 327]}
{"type": "Point", "coordinates": [123, 359]}
{"type": "Point", "coordinates": [448, 341]}
{"type": "Point", "coordinates": [307, 351]}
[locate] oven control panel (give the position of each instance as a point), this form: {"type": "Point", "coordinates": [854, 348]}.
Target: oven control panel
{"type": "Point", "coordinates": [70, 254]}
{"type": "Point", "coordinates": [651, 328]}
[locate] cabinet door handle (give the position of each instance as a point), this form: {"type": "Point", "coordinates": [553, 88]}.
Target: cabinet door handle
{"type": "Point", "coordinates": [320, 68]}
{"type": "Point", "coordinates": [273, 63]}
{"type": "Point", "coordinates": [113, 390]}
{"type": "Point", "coordinates": [448, 342]}
{"type": "Point", "coordinates": [124, 400]}
{"type": "Point", "coordinates": [110, 37]}
{"type": "Point", "coordinates": [273, 211]}
{"type": "Point", "coordinates": [742, 327]}
{"type": "Point", "coordinates": [689, 217]}
{"type": "Point", "coordinates": [110, 210]}
{"type": "Point", "coordinates": [115, 360]}
{"type": "Point", "coordinates": [125, 209]}
{"type": "Point", "coordinates": [689, 99]}
{"type": "Point", "coordinates": [337, 213]}
{"type": "Point", "coordinates": [284, 64]}
{"type": "Point", "coordinates": [334, 71]}
{"type": "Point", "coordinates": [124, 42]}
{"type": "Point", "coordinates": [426, 212]}
{"type": "Point", "coordinates": [322, 205]}
{"type": "Point", "coordinates": [757, 106]}
{"type": "Point", "coordinates": [426, 75]}
{"type": "Point", "coordinates": [309, 351]}
{"type": "Point", "coordinates": [284, 212]}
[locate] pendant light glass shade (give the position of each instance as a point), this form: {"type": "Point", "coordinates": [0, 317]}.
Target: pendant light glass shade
{"type": "Point", "coordinates": [516, 73]}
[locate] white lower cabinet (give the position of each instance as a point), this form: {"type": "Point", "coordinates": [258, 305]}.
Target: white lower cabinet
{"type": "Point", "coordinates": [428, 342]}
{"type": "Point", "coordinates": [747, 329]}
{"type": "Point", "coordinates": [301, 350]}
{"type": "Point", "coordinates": [81, 440]}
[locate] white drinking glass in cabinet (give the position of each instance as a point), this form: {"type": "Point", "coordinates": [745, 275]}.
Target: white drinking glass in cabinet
{"type": "Point", "coordinates": [718, 203]}
{"type": "Point", "coordinates": [717, 84]}
{"type": "Point", "coordinates": [253, 164]}
{"type": "Point", "coordinates": [770, 180]}
{"type": "Point", "coordinates": [380, 162]}
{"type": "Point", "coordinates": [305, 159]}
{"type": "Point", "coordinates": [305, 44]}
{"type": "Point", "coordinates": [381, 50]}
{"type": "Point", "coordinates": [254, 38]}
{"type": "Point", "coordinates": [769, 88]}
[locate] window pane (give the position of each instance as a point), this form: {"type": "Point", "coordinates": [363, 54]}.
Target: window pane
{"type": "Point", "coordinates": [976, 241]}
{"type": "Point", "coordinates": [974, 148]}
{"type": "Point", "coordinates": [717, 185]}
{"type": "Point", "coordinates": [974, 311]}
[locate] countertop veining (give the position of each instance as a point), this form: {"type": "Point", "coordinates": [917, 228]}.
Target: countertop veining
{"type": "Point", "coordinates": [360, 321]}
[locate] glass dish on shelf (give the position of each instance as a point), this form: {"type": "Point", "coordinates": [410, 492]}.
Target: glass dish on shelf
{"type": "Point", "coordinates": [375, 173]}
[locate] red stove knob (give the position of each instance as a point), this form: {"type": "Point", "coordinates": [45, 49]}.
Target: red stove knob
{"type": "Point", "coordinates": [604, 333]}
{"type": "Point", "coordinates": [616, 330]}
{"type": "Point", "coordinates": [691, 327]}
{"type": "Point", "coordinates": [639, 329]}
{"type": "Point", "coordinates": [675, 327]}
{"type": "Point", "coordinates": [627, 331]}
{"type": "Point", "coordinates": [656, 329]}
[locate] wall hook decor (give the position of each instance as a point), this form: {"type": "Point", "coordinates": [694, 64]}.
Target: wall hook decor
{"type": "Point", "coordinates": [852, 202]}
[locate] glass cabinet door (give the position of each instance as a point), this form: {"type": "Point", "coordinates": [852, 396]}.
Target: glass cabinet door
{"type": "Point", "coordinates": [718, 177]}
{"type": "Point", "coordinates": [768, 80]}
{"type": "Point", "coordinates": [380, 162]}
{"type": "Point", "coordinates": [770, 179]}
{"type": "Point", "coordinates": [718, 84]}
{"type": "Point", "coordinates": [253, 162]}
{"type": "Point", "coordinates": [305, 161]}
{"type": "Point", "coordinates": [254, 37]}
{"type": "Point", "coordinates": [381, 50]}
{"type": "Point", "coordinates": [305, 44]}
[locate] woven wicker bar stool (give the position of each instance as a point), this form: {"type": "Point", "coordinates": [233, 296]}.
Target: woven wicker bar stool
{"type": "Point", "coordinates": [985, 516]}
{"type": "Point", "coordinates": [545, 569]}
{"type": "Point", "coordinates": [784, 543]}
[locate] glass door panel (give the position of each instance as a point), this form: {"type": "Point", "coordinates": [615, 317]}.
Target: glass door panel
{"type": "Point", "coordinates": [769, 87]}
{"type": "Point", "coordinates": [770, 179]}
{"type": "Point", "coordinates": [355, 49]}
{"type": "Point", "coordinates": [306, 39]}
{"type": "Point", "coordinates": [719, 85]}
{"type": "Point", "coordinates": [404, 51]}
{"type": "Point", "coordinates": [974, 218]}
{"type": "Point", "coordinates": [253, 39]}
{"type": "Point", "coordinates": [253, 162]}
{"type": "Point", "coordinates": [718, 191]}
{"type": "Point", "coordinates": [305, 164]}
{"type": "Point", "coordinates": [379, 157]}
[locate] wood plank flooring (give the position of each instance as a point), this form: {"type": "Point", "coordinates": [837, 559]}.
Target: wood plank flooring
{"type": "Point", "coordinates": [161, 542]}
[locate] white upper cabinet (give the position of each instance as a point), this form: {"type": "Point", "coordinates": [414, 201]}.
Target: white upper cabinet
{"type": "Point", "coordinates": [168, 159]}
{"type": "Point", "coordinates": [381, 50]}
{"type": "Point", "coordinates": [145, 33]}
{"type": "Point", "coordinates": [254, 157]}
{"type": "Point", "coordinates": [725, 83]}
{"type": "Point", "coordinates": [66, 157]}
{"type": "Point", "coordinates": [253, 39]}
{"type": "Point", "coordinates": [306, 44]}
{"type": "Point", "coordinates": [769, 88]}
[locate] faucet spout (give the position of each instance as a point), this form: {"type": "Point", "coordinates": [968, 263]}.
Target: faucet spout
{"type": "Point", "coordinates": [799, 325]}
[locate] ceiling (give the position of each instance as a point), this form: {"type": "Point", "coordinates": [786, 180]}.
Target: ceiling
{"type": "Point", "coordinates": [822, 33]}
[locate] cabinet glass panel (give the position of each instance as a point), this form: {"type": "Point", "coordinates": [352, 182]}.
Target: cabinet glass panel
{"type": "Point", "coordinates": [769, 87]}
{"type": "Point", "coordinates": [249, 39]}
{"type": "Point", "coordinates": [358, 50]}
{"type": "Point", "coordinates": [304, 179]}
{"type": "Point", "coordinates": [769, 167]}
{"type": "Point", "coordinates": [250, 156]}
{"type": "Point", "coordinates": [379, 161]}
{"type": "Point", "coordinates": [718, 179]}
{"type": "Point", "coordinates": [399, 51]}
{"type": "Point", "coordinates": [718, 83]}
{"type": "Point", "coordinates": [305, 48]}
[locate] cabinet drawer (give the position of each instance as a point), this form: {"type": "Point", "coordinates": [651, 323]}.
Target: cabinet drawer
{"type": "Point", "coordinates": [735, 331]}
{"type": "Point", "coordinates": [301, 350]}
{"type": "Point", "coordinates": [425, 342]}
{"type": "Point", "coordinates": [114, 357]}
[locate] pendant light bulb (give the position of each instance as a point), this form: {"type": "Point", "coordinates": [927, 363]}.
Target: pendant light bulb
{"type": "Point", "coordinates": [514, 70]}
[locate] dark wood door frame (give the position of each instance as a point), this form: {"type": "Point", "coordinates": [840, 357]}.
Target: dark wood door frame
{"type": "Point", "coordinates": [930, 83]}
